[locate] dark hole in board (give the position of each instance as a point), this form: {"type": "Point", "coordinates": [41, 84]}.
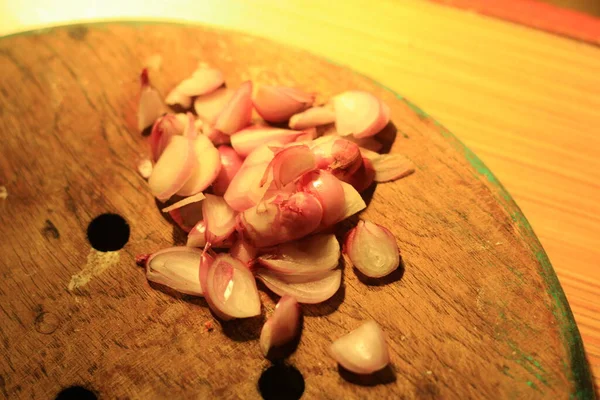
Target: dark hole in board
{"type": "Point", "coordinates": [282, 382]}
{"type": "Point", "coordinates": [108, 232]}
{"type": "Point", "coordinates": [76, 393]}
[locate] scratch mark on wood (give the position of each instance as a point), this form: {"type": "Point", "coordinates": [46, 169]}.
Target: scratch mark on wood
{"type": "Point", "coordinates": [97, 263]}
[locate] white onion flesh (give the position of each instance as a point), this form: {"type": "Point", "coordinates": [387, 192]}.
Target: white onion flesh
{"type": "Point", "coordinates": [219, 218]}
{"type": "Point", "coordinates": [208, 166]}
{"type": "Point", "coordinates": [312, 117]}
{"type": "Point", "coordinates": [310, 292]}
{"type": "Point", "coordinates": [362, 351]}
{"type": "Point", "coordinates": [150, 106]}
{"type": "Point", "coordinates": [283, 326]}
{"type": "Point", "coordinates": [237, 113]}
{"type": "Point", "coordinates": [279, 103]}
{"type": "Point", "coordinates": [177, 268]}
{"type": "Point", "coordinates": [247, 140]}
{"type": "Point", "coordinates": [173, 169]}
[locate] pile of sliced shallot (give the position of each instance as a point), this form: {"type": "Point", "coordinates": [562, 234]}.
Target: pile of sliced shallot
{"type": "Point", "coordinates": [259, 200]}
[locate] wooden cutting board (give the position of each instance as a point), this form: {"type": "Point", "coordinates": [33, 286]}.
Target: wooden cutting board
{"type": "Point", "coordinates": [476, 312]}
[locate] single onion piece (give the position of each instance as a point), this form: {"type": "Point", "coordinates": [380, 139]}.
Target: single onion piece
{"type": "Point", "coordinates": [283, 326]}
{"type": "Point", "coordinates": [280, 219]}
{"type": "Point", "coordinates": [184, 202]}
{"type": "Point", "coordinates": [244, 190]}
{"type": "Point", "coordinates": [289, 164]}
{"type": "Point", "coordinates": [204, 80]}
{"type": "Point", "coordinates": [177, 98]}
{"type": "Point", "coordinates": [372, 249]}
{"type": "Point", "coordinates": [220, 218]}
{"type": "Point", "coordinates": [328, 189]}
{"type": "Point", "coordinates": [363, 177]}
{"type": "Point", "coordinates": [389, 167]}
{"type": "Point", "coordinates": [311, 292]}
{"type": "Point", "coordinates": [353, 203]}
{"type": "Point", "coordinates": [208, 166]}
{"type": "Point", "coordinates": [177, 268]}
{"type": "Point", "coordinates": [197, 235]}
{"type": "Point", "coordinates": [237, 113]}
{"type": "Point", "coordinates": [312, 117]}
{"type": "Point", "coordinates": [231, 289]}
{"type": "Point", "coordinates": [145, 168]}
{"type": "Point", "coordinates": [209, 106]}
{"type": "Point", "coordinates": [216, 137]}
{"type": "Point", "coordinates": [340, 156]}
{"type": "Point", "coordinates": [359, 113]}
{"type": "Point", "coordinates": [206, 259]}
{"type": "Point", "coordinates": [150, 105]}
{"type": "Point", "coordinates": [279, 103]}
{"type": "Point", "coordinates": [362, 351]}
{"type": "Point", "coordinates": [187, 216]}
{"type": "Point", "coordinates": [243, 251]}
{"type": "Point", "coordinates": [163, 130]}
{"type": "Point", "coordinates": [173, 169]}
{"type": "Point", "coordinates": [190, 130]}
{"type": "Point", "coordinates": [310, 256]}
{"type": "Point", "coordinates": [230, 165]}
{"type": "Point", "coordinates": [247, 140]}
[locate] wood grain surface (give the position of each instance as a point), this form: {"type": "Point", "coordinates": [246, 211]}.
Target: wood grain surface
{"type": "Point", "coordinates": [476, 312]}
{"type": "Point", "coordinates": [527, 102]}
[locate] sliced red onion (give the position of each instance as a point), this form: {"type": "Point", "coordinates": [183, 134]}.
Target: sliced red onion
{"type": "Point", "coordinates": [372, 249]}
{"type": "Point", "coordinates": [363, 177]}
{"type": "Point", "coordinates": [177, 98]}
{"type": "Point", "coordinates": [310, 256]}
{"type": "Point", "coordinates": [173, 169]}
{"type": "Point", "coordinates": [163, 130]}
{"type": "Point", "coordinates": [289, 164]}
{"type": "Point", "coordinates": [237, 113]}
{"type": "Point", "coordinates": [184, 202]}
{"type": "Point", "coordinates": [279, 103]}
{"type": "Point", "coordinates": [197, 235]}
{"type": "Point", "coordinates": [204, 80]}
{"type": "Point", "coordinates": [230, 289]}
{"type": "Point", "coordinates": [207, 167]}
{"type": "Point", "coordinates": [281, 219]}
{"type": "Point", "coordinates": [312, 117]}
{"type": "Point", "coordinates": [215, 136]}
{"type": "Point", "coordinates": [150, 106]}
{"type": "Point", "coordinates": [219, 217]}
{"type": "Point", "coordinates": [230, 165]}
{"type": "Point", "coordinates": [362, 351]}
{"type": "Point", "coordinates": [283, 326]}
{"type": "Point", "coordinates": [177, 268]}
{"type": "Point", "coordinates": [247, 140]}
{"type": "Point", "coordinates": [359, 113]}
{"type": "Point", "coordinates": [311, 292]}
{"type": "Point", "coordinates": [208, 107]}
{"type": "Point", "coordinates": [145, 168]}
{"type": "Point", "coordinates": [389, 167]}
{"type": "Point", "coordinates": [353, 202]}
{"type": "Point", "coordinates": [243, 251]}
{"type": "Point", "coordinates": [328, 189]}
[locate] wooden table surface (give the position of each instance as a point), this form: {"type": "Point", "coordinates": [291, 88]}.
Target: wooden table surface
{"type": "Point", "coordinates": [527, 102]}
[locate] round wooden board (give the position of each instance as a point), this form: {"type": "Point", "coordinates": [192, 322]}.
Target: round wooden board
{"type": "Point", "coordinates": [477, 311]}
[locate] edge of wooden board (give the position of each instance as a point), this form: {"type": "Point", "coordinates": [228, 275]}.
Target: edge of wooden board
{"type": "Point", "coordinates": [580, 372]}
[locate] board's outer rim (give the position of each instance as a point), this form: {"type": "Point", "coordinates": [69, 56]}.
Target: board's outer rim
{"type": "Point", "coordinates": [580, 372]}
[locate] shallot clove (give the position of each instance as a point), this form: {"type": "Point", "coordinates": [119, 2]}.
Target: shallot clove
{"type": "Point", "coordinates": [312, 117]}
{"type": "Point", "coordinates": [363, 177]}
{"type": "Point", "coordinates": [243, 251]}
{"type": "Point", "coordinates": [197, 235]}
{"type": "Point", "coordinates": [310, 256]}
{"type": "Point", "coordinates": [363, 350]}
{"type": "Point", "coordinates": [247, 140]}
{"type": "Point", "coordinates": [372, 249]}
{"type": "Point", "coordinates": [230, 288]}
{"type": "Point", "coordinates": [389, 167]}
{"type": "Point", "coordinates": [215, 136]}
{"type": "Point", "coordinates": [208, 165]}
{"type": "Point", "coordinates": [309, 292]}
{"type": "Point", "coordinates": [289, 164]}
{"type": "Point", "coordinates": [230, 165]}
{"type": "Point", "coordinates": [237, 113]}
{"type": "Point", "coordinates": [208, 107]}
{"type": "Point", "coordinates": [204, 80]}
{"type": "Point", "coordinates": [279, 103]}
{"type": "Point", "coordinates": [163, 130]}
{"type": "Point", "coordinates": [359, 113]}
{"type": "Point", "coordinates": [353, 202]}
{"type": "Point", "coordinates": [177, 268]}
{"type": "Point", "coordinates": [219, 217]}
{"type": "Point", "coordinates": [150, 105]}
{"type": "Point", "coordinates": [283, 326]}
{"type": "Point", "coordinates": [187, 215]}
{"type": "Point", "coordinates": [330, 192]}
{"type": "Point", "coordinates": [173, 169]}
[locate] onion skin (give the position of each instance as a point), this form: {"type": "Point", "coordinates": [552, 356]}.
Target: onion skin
{"type": "Point", "coordinates": [372, 249]}
{"type": "Point", "coordinates": [362, 351]}
{"type": "Point", "coordinates": [280, 219]}
{"type": "Point", "coordinates": [283, 326]}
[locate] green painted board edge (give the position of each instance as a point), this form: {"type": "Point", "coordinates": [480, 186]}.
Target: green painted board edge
{"type": "Point", "coordinates": [581, 376]}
